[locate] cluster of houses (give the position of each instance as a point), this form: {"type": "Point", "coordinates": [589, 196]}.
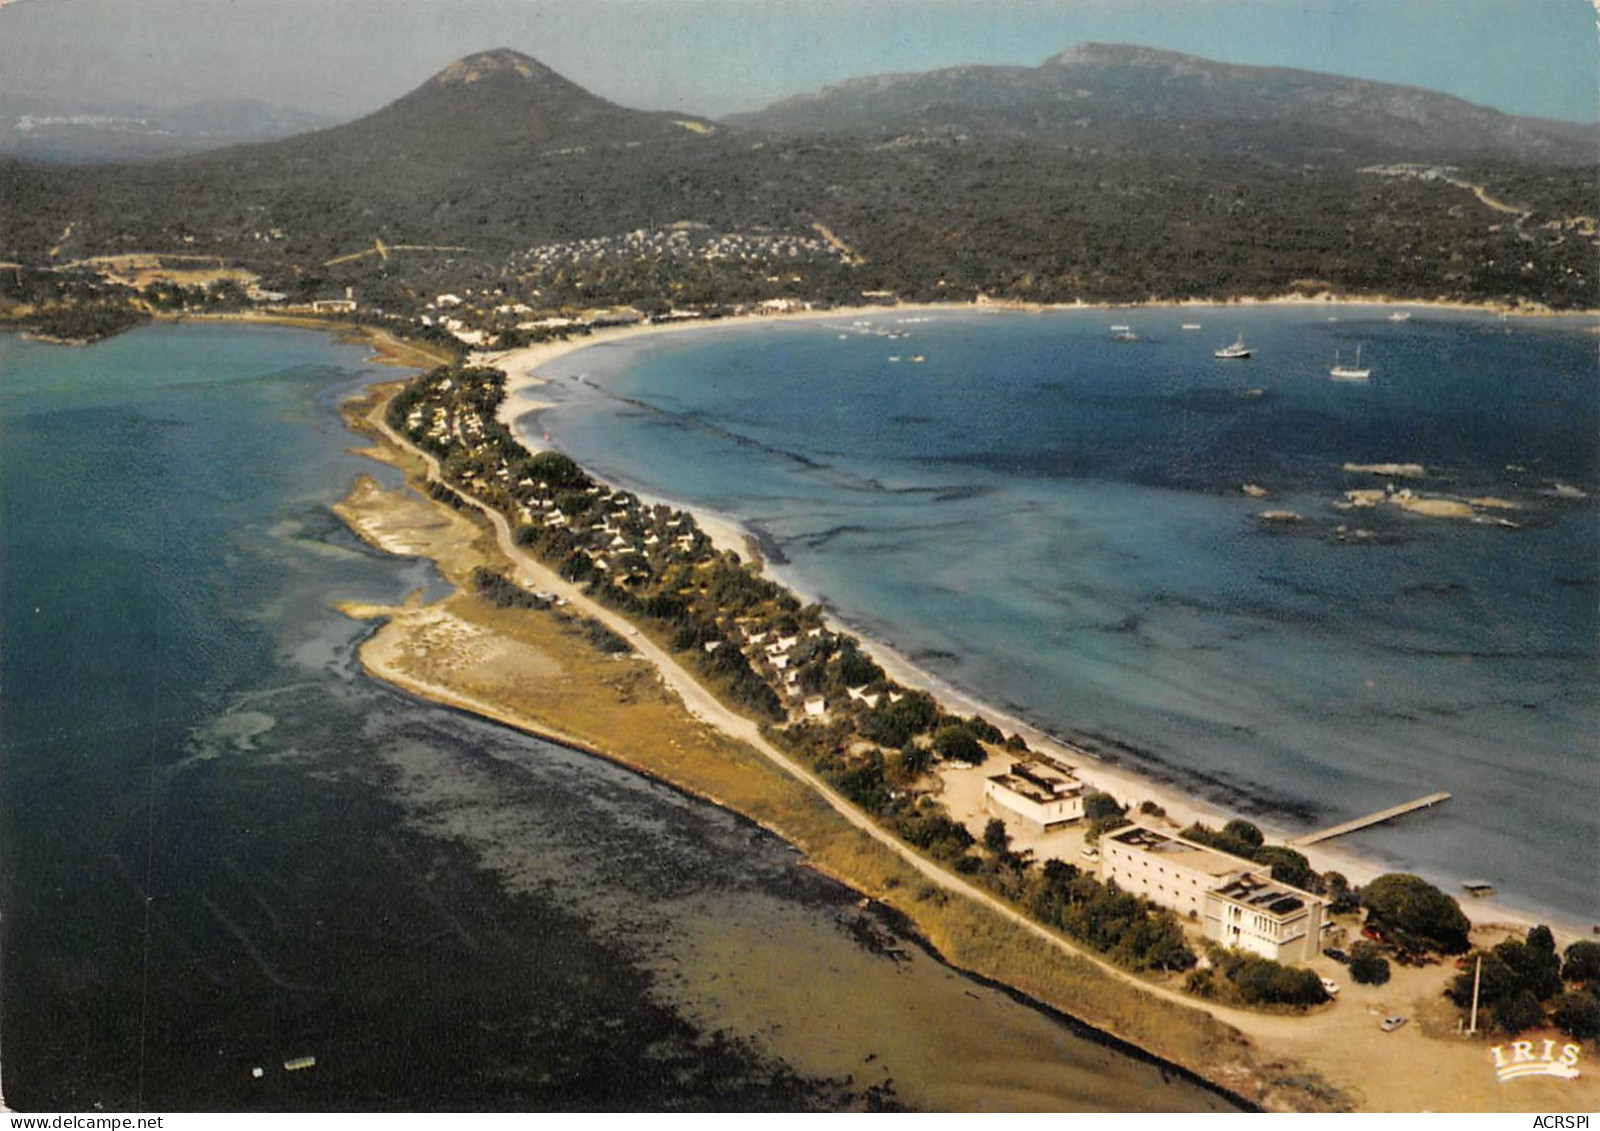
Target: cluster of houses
{"type": "Point", "coordinates": [484, 315]}
{"type": "Point", "coordinates": [770, 653]}
{"type": "Point", "coordinates": [629, 542]}
{"type": "Point", "coordinates": [684, 242]}
{"type": "Point", "coordinates": [1235, 901]}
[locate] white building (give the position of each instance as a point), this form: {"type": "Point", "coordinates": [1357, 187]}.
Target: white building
{"type": "Point", "coordinates": [1272, 919]}
{"type": "Point", "coordinates": [1039, 793]}
{"type": "Point", "coordinates": [1235, 900]}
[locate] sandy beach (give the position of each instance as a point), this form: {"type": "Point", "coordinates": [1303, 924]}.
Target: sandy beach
{"type": "Point", "coordinates": [1424, 1066]}
{"type": "Point", "coordinates": [1127, 785]}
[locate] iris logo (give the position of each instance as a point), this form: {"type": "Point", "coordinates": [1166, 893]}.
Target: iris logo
{"type": "Point", "coordinates": [1523, 1061]}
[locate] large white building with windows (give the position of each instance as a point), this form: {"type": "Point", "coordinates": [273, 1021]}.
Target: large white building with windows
{"type": "Point", "coordinates": [1235, 900]}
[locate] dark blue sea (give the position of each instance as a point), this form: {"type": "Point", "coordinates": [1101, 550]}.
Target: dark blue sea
{"type": "Point", "coordinates": [223, 848]}
{"type": "Point", "coordinates": [1054, 523]}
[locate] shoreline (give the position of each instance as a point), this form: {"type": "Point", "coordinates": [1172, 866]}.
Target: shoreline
{"type": "Point", "coordinates": [439, 695]}
{"type": "Point", "coordinates": [1144, 1015]}
{"type": "Point", "coordinates": [1268, 1057]}
{"type": "Point", "coordinates": [1128, 783]}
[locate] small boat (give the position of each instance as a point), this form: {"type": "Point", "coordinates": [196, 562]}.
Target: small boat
{"type": "Point", "coordinates": [1236, 351]}
{"type": "Point", "coordinates": [1479, 888]}
{"type": "Point", "coordinates": [1400, 316]}
{"type": "Point", "coordinates": [1349, 372]}
{"type": "Point", "coordinates": [1120, 329]}
{"type": "Point", "coordinates": [1123, 335]}
{"type": "Point", "coordinates": [917, 357]}
{"type": "Point", "coordinates": [1191, 325]}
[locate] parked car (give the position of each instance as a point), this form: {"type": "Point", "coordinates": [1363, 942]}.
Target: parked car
{"type": "Point", "coordinates": [1337, 955]}
{"type": "Point", "coordinates": [1330, 987]}
{"type": "Point", "coordinates": [1392, 1022]}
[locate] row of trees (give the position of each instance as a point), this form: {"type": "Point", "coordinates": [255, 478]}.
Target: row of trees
{"type": "Point", "coordinates": [1525, 983]}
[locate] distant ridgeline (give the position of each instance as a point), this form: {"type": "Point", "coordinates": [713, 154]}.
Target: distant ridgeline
{"type": "Point", "coordinates": [1107, 173]}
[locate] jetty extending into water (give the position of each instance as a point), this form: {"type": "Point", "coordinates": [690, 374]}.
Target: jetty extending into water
{"type": "Point", "coordinates": [1377, 818]}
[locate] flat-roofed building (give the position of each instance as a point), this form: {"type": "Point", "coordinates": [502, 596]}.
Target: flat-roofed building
{"type": "Point", "coordinates": [1166, 869]}
{"type": "Point", "coordinates": [1235, 900]}
{"type": "Point", "coordinates": [1041, 794]}
{"type": "Point", "coordinates": [1272, 919]}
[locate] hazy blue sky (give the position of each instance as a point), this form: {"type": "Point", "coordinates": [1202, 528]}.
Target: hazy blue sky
{"type": "Point", "coordinates": [345, 57]}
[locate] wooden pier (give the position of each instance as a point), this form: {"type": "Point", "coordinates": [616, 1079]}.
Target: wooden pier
{"type": "Point", "coordinates": [1377, 818]}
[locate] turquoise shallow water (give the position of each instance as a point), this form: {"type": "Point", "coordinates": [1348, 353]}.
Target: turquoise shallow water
{"type": "Point", "coordinates": [221, 846]}
{"type": "Point", "coordinates": [1053, 522]}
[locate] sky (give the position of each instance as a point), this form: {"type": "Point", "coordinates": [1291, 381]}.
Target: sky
{"type": "Point", "coordinates": [343, 58]}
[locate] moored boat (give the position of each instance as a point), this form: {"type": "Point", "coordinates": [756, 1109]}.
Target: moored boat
{"type": "Point", "coordinates": [1237, 350]}
{"type": "Point", "coordinates": [1349, 372]}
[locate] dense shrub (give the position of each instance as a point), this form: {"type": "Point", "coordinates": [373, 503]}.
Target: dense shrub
{"type": "Point", "coordinates": [1513, 980]}
{"type": "Point", "coordinates": [1577, 1014]}
{"type": "Point", "coordinates": [955, 743]}
{"type": "Point", "coordinates": [1127, 928]}
{"type": "Point", "coordinates": [504, 593]}
{"type": "Point", "coordinates": [1261, 981]}
{"type": "Point", "coordinates": [895, 724]}
{"type": "Point", "coordinates": [1367, 966]}
{"type": "Point", "coordinates": [1582, 962]}
{"type": "Point", "coordinates": [1289, 867]}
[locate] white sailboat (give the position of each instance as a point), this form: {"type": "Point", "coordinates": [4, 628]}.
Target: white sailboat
{"type": "Point", "coordinates": [1349, 372]}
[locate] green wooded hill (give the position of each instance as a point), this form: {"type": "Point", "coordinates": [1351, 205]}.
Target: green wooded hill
{"type": "Point", "coordinates": [498, 154]}
{"type": "Point", "coordinates": [1114, 96]}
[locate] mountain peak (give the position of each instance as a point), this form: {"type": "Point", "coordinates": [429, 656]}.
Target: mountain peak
{"type": "Point", "coordinates": [492, 64]}
{"type": "Point", "coordinates": [1121, 54]}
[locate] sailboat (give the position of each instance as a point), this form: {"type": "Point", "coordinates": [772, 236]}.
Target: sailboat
{"type": "Point", "coordinates": [1349, 372]}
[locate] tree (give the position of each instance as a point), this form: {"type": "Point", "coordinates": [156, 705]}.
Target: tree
{"type": "Point", "coordinates": [1415, 914]}
{"type": "Point", "coordinates": [1367, 966]}
{"type": "Point", "coordinates": [1582, 962]}
{"type": "Point", "coordinates": [914, 759]}
{"type": "Point", "coordinates": [1244, 832]}
{"type": "Point", "coordinates": [1342, 898]}
{"type": "Point", "coordinates": [1537, 971]}
{"type": "Point", "coordinates": [1288, 867]}
{"type": "Point", "coordinates": [955, 743]}
{"type": "Point", "coordinates": [1098, 807]}
{"type": "Point", "coordinates": [983, 730]}
{"type": "Point", "coordinates": [1516, 1012]}
{"type": "Point", "coordinates": [995, 837]}
{"type": "Point", "coordinates": [1577, 1014]}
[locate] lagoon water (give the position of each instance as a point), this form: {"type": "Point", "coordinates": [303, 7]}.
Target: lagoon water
{"type": "Point", "coordinates": [1053, 522]}
{"type": "Point", "coordinates": [223, 847]}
